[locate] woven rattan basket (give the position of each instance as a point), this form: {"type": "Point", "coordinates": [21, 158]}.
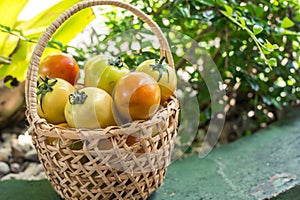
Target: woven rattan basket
{"type": "Point", "coordinates": [105, 166]}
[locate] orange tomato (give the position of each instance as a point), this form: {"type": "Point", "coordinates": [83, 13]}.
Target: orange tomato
{"type": "Point", "coordinates": [163, 74]}
{"type": "Point", "coordinates": [132, 140]}
{"type": "Point", "coordinates": [136, 97]}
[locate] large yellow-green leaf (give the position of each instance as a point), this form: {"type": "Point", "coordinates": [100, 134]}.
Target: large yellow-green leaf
{"type": "Point", "coordinates": [77, 22]}
{"type": "Point", "coordinates": [71, 28]}
{"type": "Point", "coordinates": [20, 61]}
{"type": "Point", "coordinates": [9, 12]}
{"type": "Point", "coordinates": [36, 25]}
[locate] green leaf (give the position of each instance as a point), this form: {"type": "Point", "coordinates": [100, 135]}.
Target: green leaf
{"type": "Point", "coordinates": [272, 62]}
{"type": "Point", "coordinates": [257, 29]}
{"type": "Point", "coordinates": [8, 17]}
{"type": "Point", "coordinates": [276, 103]}
{"type": "Point", "coordinates": [253, 83]}
{"type": "Point", "coordinates": [228, 9]}
{"type": "Point", "coordinates": [287, 23]}
{"type": "Point", "coordinates": [184, 12]}
{"type": "Point", "coordinates": [68, 30]}
{"type": "Point", "coordinates": [268, 47]}
{"type": "Point", "coordinates": [243, 22]}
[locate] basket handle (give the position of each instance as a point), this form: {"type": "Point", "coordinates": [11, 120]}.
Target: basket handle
{"type": "Point", "coordinates": [32, 73]}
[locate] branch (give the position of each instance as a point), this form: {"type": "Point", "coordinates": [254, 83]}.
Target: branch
{"type": "Point", "coordinates": [182, 61]}
{"type": "Point", "coordinates": [227, 47]}
{"type": "Point", "coordinates": [163, 7]}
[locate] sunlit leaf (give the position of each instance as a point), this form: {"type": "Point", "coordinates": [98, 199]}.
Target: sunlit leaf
{"type": "Point", "coordinates": [71, 27]}
{"type": "Point", "coordinates": [257, 29]}
{"type": "Point", "coordinates": [287, 23]}
{"type": "Point", "coordinates": [20, 61]}
{"type": "Point", "coordinates": [243, 22]}
{"type": "Point", "coordinates": [8, 17]}
{"type": "Point", "coordinates": [228, 9]}
{"type": "Point", "coordinates": [34, 28]}
{"type": "Point", "coordinates": [272, 62]}
{"type": "Point", "coordinates": [36, 25]}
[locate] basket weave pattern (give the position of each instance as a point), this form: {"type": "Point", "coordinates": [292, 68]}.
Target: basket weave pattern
{"type": "Point", "coordinates": [100, 164]}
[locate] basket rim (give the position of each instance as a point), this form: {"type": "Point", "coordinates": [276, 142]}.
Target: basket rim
{"type": "Point", "coordinates": [41, 127]}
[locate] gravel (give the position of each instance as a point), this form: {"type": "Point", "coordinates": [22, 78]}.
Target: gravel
{"type": "Point", "coordinates": [18, 158]}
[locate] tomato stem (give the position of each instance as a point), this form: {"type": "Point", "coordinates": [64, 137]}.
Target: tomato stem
{"type": "Point", "coordinates": [116, 62]}
{"type": "Point", "coordinates": [78, 97]}
{"type": "Point", "coordinates": [45, 87]}
{"type": "Point", "coordinates": [160, 67]}
{"type": "Point", "coordinates": [162, 60]}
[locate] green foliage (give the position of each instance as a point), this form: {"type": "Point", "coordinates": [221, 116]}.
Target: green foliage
{"type": "Point", "coordinates": [255, 46]}
{"type": "Point", "coordinates": [18, 38]}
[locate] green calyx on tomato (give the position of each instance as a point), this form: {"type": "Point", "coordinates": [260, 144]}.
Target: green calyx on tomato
{"type": "Point", "coordinates": [45, 87]}
{"type": "Point", "coordinates": [78, 97]}
{"type": "Point", "coordinates": [116, 62]}
{"type": "Point", "coordinates": [160, 67]}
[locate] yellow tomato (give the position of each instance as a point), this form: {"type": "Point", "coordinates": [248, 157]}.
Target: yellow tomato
{"type": "Point", "coordinates": [89, 107]}
{"type": "Point", "coordinates": [52, 96]}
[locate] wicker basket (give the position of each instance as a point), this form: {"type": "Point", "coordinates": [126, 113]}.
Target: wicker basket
{"type": "Point", "coordinates": [104, 166]}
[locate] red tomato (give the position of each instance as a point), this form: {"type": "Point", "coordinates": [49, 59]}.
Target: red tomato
{"type": "Point", "coordinates": [136, 97]}
{"type": "Point", "coordinates": [60, 65]}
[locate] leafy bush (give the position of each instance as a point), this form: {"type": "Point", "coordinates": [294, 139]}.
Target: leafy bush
{"type": "Point", "coordinates": [254, 45]}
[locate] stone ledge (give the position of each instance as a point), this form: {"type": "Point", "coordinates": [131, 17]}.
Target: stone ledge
{"type": "Point", "coordinates": [260, 166]}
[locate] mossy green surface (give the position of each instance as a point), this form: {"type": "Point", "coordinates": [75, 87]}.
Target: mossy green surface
{"type": "Point", "coordinates": [259, 166]}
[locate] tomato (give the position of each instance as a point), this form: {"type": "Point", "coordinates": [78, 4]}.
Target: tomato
{"type": "Point", "coordinates": [52, 96]}
{"type": "Point", "coordinates": [104, 73]}
{"type": "Point", "coordinates": [60, 65]}
{"type": "Point", "coordinates": [136, 97]}
{"type": "Point", "coordinates": [133, 140]}
{"type": "Point", "coordinates": [163, 74]}
{"type": "Point", "coordinates": [89, 107]}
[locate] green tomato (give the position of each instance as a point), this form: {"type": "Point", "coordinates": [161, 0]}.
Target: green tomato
{"type": "Point", "coordinates": [163, 74]}
{"type": "Point", "coordinates": [104, 73]}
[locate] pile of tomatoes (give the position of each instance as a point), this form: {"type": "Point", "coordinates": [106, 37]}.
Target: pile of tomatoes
{"type": "Point", "coordinates": [111, 94]}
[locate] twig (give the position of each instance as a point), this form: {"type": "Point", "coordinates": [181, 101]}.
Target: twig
{"type": "Point", "coordinates": [182, 61]}
{"type": "Point", "coordinates": [227, 47]}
